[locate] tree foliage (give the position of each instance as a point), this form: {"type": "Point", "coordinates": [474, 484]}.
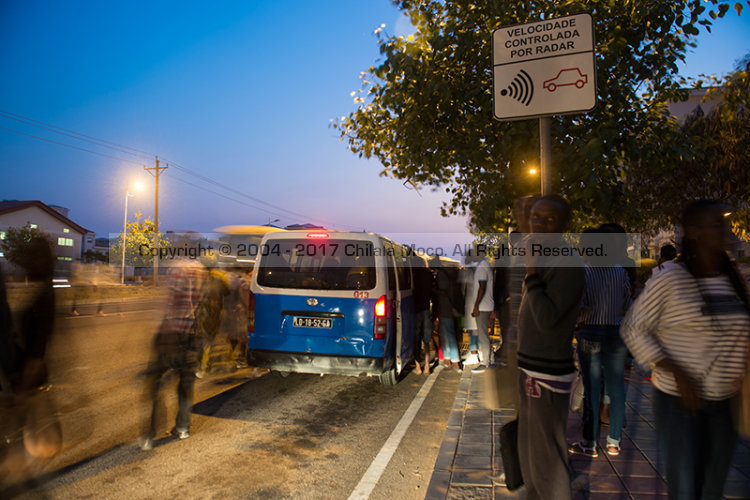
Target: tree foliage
{"type": "Point", "coordinates": [710, 160]}
{"type": "Point", "coordinates": [139, 243]}
{"type": "Point", "coordinates": [425, 110]}
{"type": "Point", "coordinates": [15, 245]}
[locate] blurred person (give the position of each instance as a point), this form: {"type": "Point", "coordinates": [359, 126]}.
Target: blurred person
{"type": "Point", "coordinates": [447, 304]}
{"type": "Point", "coordinates": [626, 262]}
{"type": "Point", "coordinates": [465, 280]}
{"type": "Point", "coordinates": [235, 316]}
{"type": "Point", "coordinates": [86, 277]}
{"type": "Point", "coordinates": [502, 305]}
{"type": "Point", "coordinates": [515, 274]}
{"type": "Point", "coordinates": [636, 285]}
{"type": "Point", "coordinates": [32, 411]}
{"type": "Point", "coordinates": [422, 315]}
{"type": "Point", "coordinates": [482, 304]}
{"type": "Point", "coordinates": [209, 317]}
{"type": "Point", "coordinates": [692, 324]}
{"type": "Point", "coordinates": [601, 351]}
{"type": "Point", "coordinates": [547, 317]}
{"type": "Point", "coordinates": [8, 343]}
{"type": "Point", "coordinates": [176, 347]}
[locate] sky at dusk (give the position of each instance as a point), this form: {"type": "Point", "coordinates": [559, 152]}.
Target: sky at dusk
{"type": "Point", "coordinates": [239, 92]}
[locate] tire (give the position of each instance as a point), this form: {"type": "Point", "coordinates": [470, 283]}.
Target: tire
{"type": "Point", "coordinates": [389, 377]}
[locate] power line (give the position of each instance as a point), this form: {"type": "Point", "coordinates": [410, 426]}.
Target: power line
{"type": "Point", "coordinates": [143, 154]}
{"type": "Point", "coordinates": [71, 146]}
{"type": "Point", "coordinates": [223, 196]}
{"type": "Point", "coordinates": [230, 189]}
{"type": "Point", "coordinates": [76, 135]}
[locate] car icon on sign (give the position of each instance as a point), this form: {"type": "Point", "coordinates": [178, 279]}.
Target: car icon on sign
{"type": "Point", "coordinates": [569, 76]}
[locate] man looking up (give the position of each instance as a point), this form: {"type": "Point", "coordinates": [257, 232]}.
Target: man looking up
{"type": "Point", "coordinates": [549, 308]}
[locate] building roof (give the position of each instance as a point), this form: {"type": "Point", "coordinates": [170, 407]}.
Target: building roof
{"type": "Point", "coordinates": [9, 206]}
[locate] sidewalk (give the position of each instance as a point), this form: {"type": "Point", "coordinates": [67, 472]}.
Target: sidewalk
{"type": "Point", "coordinates": [470, 452]}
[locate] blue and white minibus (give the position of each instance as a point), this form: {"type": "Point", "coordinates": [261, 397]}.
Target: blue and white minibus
{"type": "Point", "coordinates": [332, 302]}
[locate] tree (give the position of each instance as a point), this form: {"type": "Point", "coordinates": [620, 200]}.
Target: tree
{"type": "Point", "coordinates": [92, 256]}
{"type": "Point", "coordinates": [713, 151]}
{"type": "Point", "coordinates": [15, 245]}
{"type": "Point", "coordinates": [139, 244]}
{"type": "Point", "coordinates": [425, 111]}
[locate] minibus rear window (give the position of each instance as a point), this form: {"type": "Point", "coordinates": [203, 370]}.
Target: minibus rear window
{"type": "Point", "coordinates": [318, 264]}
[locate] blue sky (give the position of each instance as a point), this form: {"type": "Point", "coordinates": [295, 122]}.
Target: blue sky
{"type": "Point", "coordinates": [238, 91]}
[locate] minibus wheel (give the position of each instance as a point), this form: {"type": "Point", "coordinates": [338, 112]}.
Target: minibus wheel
{"type": "Point", "coordinates": [389, 377]}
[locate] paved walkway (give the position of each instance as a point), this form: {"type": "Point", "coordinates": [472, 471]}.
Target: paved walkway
{"type": "Point", "coordinates": [470, 452]}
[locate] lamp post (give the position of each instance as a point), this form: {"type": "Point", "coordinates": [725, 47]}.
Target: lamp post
{"type": "Point", "coordinates": [138, 186]}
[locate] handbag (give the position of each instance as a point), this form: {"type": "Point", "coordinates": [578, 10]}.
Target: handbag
{"type": "Point", "coordinates": [509, 453]}
{"type": "Point", "coordinates": [576, 394]}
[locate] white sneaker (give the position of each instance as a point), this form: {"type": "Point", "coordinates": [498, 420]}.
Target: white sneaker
{"type": "Point", "coordinates": [472, 359]}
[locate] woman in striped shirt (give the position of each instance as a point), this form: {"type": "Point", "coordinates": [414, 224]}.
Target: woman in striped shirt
{"type": "Point", "coordinates": [692, 324]}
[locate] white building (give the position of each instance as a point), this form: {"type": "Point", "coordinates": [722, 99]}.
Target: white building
{"type": "Point", "coordinates": [70, 239]}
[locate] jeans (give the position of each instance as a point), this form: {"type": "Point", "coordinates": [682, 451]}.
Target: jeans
{"type": "Point", "coordinates": [472, 340]}
{"type": "Point", "coordinates": [600, 348]}
{"type": "Point", "coordinates": [697, 447]}
{"type": "Point", "coordinates": [448, 339]}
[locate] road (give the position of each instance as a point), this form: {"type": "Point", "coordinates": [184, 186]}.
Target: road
{"type": "Point", "coordinates": [254, 434]}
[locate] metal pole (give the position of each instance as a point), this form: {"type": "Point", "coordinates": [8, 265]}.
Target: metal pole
{"type": "Point", "coordinates": [545, 155]}
{"type": "Point", "coordinates": [124, 237]}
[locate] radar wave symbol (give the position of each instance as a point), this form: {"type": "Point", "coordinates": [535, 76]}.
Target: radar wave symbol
{"type": "Point", "coordinates": [521, 88]}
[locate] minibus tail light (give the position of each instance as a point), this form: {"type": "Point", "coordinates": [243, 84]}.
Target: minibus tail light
{"type": "Point", "coordinates": [317, 235]}
{"type": "Point", "coordinates": [381, 319]}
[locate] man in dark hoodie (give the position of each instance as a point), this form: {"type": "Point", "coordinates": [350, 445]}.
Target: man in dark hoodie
{"type": "Point", "coordinates": [547, 317]}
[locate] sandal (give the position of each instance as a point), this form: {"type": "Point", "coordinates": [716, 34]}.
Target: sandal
{"type": "Point", "coordinates": [580, 449]}
{"type": "Point", "coordinates": [613, 449]}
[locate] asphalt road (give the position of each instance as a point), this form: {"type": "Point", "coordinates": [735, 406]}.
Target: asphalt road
{"type": "Point", "coordinates": [254, 434]}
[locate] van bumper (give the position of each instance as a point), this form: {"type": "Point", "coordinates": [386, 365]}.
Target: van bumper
{"type": "Point", "coordinates": [315, 363]}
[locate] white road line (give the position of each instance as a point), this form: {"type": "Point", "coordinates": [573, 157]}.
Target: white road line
{"type": "Point", "coordinates": [378, 465]}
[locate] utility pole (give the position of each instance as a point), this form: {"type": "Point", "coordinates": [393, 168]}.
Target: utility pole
{"type": "Point", "coordinates": [156, 172]}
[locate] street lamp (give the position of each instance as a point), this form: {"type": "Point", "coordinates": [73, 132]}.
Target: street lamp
{"type": "Point", "coordinates": [138, 186]}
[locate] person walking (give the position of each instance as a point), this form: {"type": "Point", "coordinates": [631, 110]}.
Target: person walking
{"type": "Point", "coordinates": [235, 316]}
{"type": "Point", "coordinates": [482, 304]}
{"type": "Point", "coordinates": [601, 351]}
{"type": "Point", "coordinates": [176, 347]}
{"type": "Point", "coordinates": [445, 295]}
{"type": "Point", "coordinates": [465, 281]}
{"type": "Point", "coordinates": [210, 315]}
{"type": "Point", "coordinates": [692, 324]}
{"type": "Point", "coordinates": [547, 317]}
{"type": "Point", "coordinates": [422, 316]}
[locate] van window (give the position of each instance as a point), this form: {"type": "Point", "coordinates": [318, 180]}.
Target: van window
{"type": "Point", "coordinates": [389, 265]}
{"type": "Point", "coordinates": [318, 264]}
{"type": "Point", "coordinates": [402, 267]}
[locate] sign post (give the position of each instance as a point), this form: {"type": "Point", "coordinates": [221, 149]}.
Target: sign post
{"type": "Point", "coordinates": [542, 69]}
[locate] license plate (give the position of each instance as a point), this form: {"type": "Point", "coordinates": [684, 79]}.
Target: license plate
{"type": "Point", "coordinates": [303, 322]}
